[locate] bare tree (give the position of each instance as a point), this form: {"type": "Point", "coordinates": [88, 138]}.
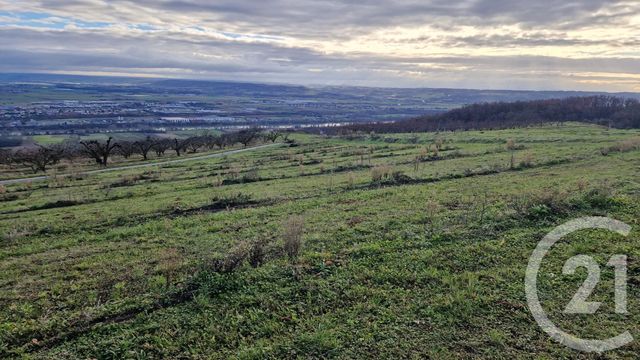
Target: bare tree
{"type": "Point", "coordinates": [179, 145]}
{"type": "Point", "coordinates": [246, 136]}
{"type": "Point", "coordinates": [194, 143]}
{"type": "Point", "coordinates": [228, 139]}
{"type": "Point", "coordinates": [143, 147]}
{"type": "Point", "coordinates": [161, 146]}
{"type": "Point", "coordinates": [6, 157]}
{"type": "Point", "coordinates": [38, 158]}
{"type": "Point", "coordinates": [272, 135]}
{"type": "Point", "coordinates": [220, 141]}
{"type": "Point", "coordinates": [126, 149]}
{"type": "Point", "coordinates": [98, 150]}
{"type": "Point", "coordinates": [208, 141]}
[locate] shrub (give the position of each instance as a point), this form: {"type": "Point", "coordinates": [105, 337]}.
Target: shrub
{"type": "Point", "coordinates": [257, 253]}
{"type": "Point", "coordinates": [438, 143]}
{"type": "Point", "coordinates": [221, 203]}
{"type": "Point", "coordinates": [629, 145]}
{"type": "Point", "coordinates": [218, 181]}
{"type": "Point", "coordinates": [14, 233]}
{"type": "Point", "coordinates": [231, 261]}
{"type": "Point", "coordinates": [527, 161]}
{"type": "Point", "coordinates": [128, 180]}
{"type": "Point", "coordinates": [56, 204]}
{"type": "Point", "coordinates": [170, 264]}
{"type": "Point", "coordinates": [293, 230]}
{"type": "Point", "coordinates": [540, 205]}
{"type": "Point", "coordinates": [510, 145]}
{"type": "Point", "coordinates": [233, 173]}
{"type": "Point", "coordinates": [251, 175]}
{"type": "Point", "coordinates": [582, 184]}
{"type": "Point", "coordinates": [351, 179]}
{"type": "Point", "coordinates": [380, 172]}
{"type": "Point", "coordinates": [399, 177]}
{"type": "Point", "coordinates": [600, 196]}
{"type": "Point", "coordinates": [622, 146]}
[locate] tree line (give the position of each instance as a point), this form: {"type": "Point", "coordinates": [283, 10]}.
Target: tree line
{"type": "Point", "coordinates": [605, 110]}
{"type": "Point", "coordinates": [39, 157]}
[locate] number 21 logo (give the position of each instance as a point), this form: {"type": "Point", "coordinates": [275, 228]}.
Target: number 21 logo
{"type": "Point", "coordinates": [579, 303]}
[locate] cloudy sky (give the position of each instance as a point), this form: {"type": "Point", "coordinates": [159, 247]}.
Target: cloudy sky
{"type": "Point", "coordinates": [516, 44]}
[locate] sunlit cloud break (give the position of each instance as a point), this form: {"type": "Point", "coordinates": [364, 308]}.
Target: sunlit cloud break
{"type": "Point", "coordinates": [548, 44]}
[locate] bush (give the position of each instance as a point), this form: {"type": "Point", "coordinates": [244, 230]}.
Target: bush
{"type": "Point", "coordinates": [230, 262]}
{"type": "Point", "coordinates": [399, 177]}
{"type": "Point", "coordinates": [221, 203]}
{"type": "Point", "coordinates": [170, 263]}
{"type": "Point", "coordinates": [622, 146]}
{"type": "Point", "coordinates": [351, 179]}
{"type": "Point", "coordinates": [251, 176]}
{"type": "Point", "coordinates": [600, 196]}
{"type": "Point", "coordinates": [540, 205]}
{"type": "Point", "coordinates": [527, 161]}
{"type": "Point", "coordinates": [257, 253]}
{"type": "Point", "coordinates": [129, 180]}
{"type": "Point", "coordinates": [380, 172]}
{"type": "Point", "coordinates": [293, 231]}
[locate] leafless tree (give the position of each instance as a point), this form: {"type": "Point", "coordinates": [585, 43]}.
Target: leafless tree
{"type": "Point", "coordinates": [38, 158]}
{"type": "Point", "coordinates": [194, 144]}
{"type": "Point", "coordinates": [161, 146]}
{"type": "Point", "coordinates": [98, 150]}
{"type": "Point", "coordinates": [272, 135]}
{"type": "Point", "coordinates": [126, 149]}
{"type": "Point", "coordinates": [143, 147]}
{"type": "Point", "coordinates": [179, 145]}
{"type": "Point", "coordinates": [220, 141]}
{"type": "Point", "coordinates": [208, 141]}
{"type": "Point", "coordinates": [6, 157]}
{"type": "Point", "coordinates": [246, 136]}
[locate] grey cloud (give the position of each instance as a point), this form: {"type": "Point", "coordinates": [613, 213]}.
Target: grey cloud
{"type": "Point", "coordinates": [177, 53]}
{"type": "Point", "coordinates": [523, 40]}
{"type": "Point", "coordinates": [93, 50]}
{"type": "Point", "coordinates": [308, 18]}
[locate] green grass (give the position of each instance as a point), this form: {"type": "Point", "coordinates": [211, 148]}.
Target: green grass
{"type": "Point", "coordinates": [429, 264]}
{"type": "Point", "coordinates": [83, 164]}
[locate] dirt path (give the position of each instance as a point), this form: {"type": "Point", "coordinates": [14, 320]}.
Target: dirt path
{"type": "Point", "coordinates": [215, 155]}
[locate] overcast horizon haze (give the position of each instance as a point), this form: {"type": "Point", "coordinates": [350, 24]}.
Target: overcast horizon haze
{"type": "Point", "coordinates": [479, 44]}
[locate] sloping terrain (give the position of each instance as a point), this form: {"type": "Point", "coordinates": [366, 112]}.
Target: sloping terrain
{"type": "Point", "coordinates": [411, 246]}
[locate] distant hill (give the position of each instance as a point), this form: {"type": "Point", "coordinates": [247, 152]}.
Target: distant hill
{"type": "Point", "coordinates": [227, 88]}
{"type": "Point", "coordinates": [244, 103]}
{"type": "Point", "coordinates": [612, 111]}
{"type": "Point", "coordinates": [437, 99]}
{"type": "Point", "coordinates": [8, 78]}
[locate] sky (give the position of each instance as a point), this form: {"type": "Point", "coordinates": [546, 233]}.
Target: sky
{"type": "Point", "coordinates": [481, 44]}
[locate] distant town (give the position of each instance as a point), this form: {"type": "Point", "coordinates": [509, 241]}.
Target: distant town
{"type": "Point", "coordinates": [33, 105]}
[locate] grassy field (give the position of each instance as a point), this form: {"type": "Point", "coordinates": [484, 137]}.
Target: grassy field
{"type": "Point", "coordinates": [79, 165]}
{"type": "Point", "coordinates": [406, 251]}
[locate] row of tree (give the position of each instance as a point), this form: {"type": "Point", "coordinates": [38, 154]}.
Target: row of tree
{"type": "Point", "coordinates": [40, 157]}
{"type": "Point", "coordinates": [605, 110]}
